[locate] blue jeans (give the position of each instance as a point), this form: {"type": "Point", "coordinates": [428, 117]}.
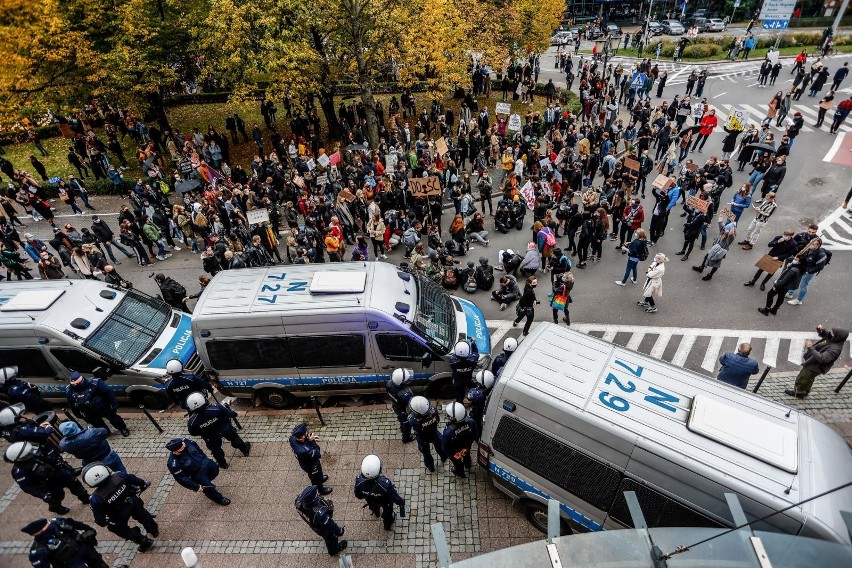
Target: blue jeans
{"type": "Point", "coordinates": [114, 462]}
{"type": "Point", "coordinates": [632, 263]}
{"type": "Point", "coordinates": [755, 178]}
{"type": "Point", "coordinates": [803, 287]}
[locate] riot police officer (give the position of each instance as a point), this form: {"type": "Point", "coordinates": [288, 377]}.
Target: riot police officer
{"type": "Point", "coordinates": [424, 420]}
{"type": "Point", "coordinates": [463, 362]}
{"type": "Point", "coordinates": [44, 475]}
{"type": "Point", "coordinates": [401, 395]}
{"type": "Point", "coordinates": [378, 491]}
{"type": "Point", "coordinates": [318, 512]}
{"type": "Point", "coordinates": [116, 500]}
{"type": "Point", "coordinates": [458, 437]}
{"type": "Point", "coordinates": [181, 384]}
{"type": "Point", "coordinates": [89, 445]}
{"type": "Point", "coordinates": [94, 401]}
{"type": "Point", "coordinates": [213, 423]}
{"type": "Point", "coordinates": [63, 543]}
{"type": "Point", "coordinates": [17, 390]}
{"type": "Point", "coordinates": [15, 428]}
{"type": "Point", "coordinates": [191, 468]}
{"type": "Point", "coordinates": [509, 346]}
{"type": "Point", "coordinates": [478, 396]}
{"type": "Point", "coordinates": [308, 453]}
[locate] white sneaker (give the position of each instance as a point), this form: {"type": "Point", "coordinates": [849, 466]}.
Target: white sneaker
{"type": "Point", "coordinates": [634, 281]}
{"type": "Point", "coordinates": [651, 310]}
{"type": "Point", "coordinates": [384, 256]}
{"type": "Point", "coordinates": [619, 282]}
{"type": "Point", "coordinates": [503, 307]}
{"type": "Point", "coordinates": [794, 302]}
{"type": "Point", "coordinates": [160, 257]}
{"type": "Point", "coordinates": [175, 248]}
{"type": "Point", "coordinates": [168, 255]}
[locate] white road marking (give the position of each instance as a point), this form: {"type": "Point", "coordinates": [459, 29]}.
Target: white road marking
{"type": "Point", "coordinates": [770, 352]}
{"type": "Point", "coordinates": [838, 142]}
{"type": "Point", "coordinates": [712, 353]}
{"type": "Point", "coordinates": [609, 336]}
{"type": "Point", "coordinates": [831, 238]}
{"type": "Point", "coordinates": [720, 94]}
{"type": "Point", "coordinates": [686, 343]}
{"type": "Point", "coordinates": [497, 336]}
{"type": "Point", "coordinates": [660, 345]}
{"type": "Point", "coordinates": [635, 340]}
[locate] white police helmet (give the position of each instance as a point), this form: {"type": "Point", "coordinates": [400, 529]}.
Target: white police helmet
{"type": "Point", "coordinates": [510, 344]}
{"type": "Point", "coordinates": [174, 366]}
{"type": "Point", "coordinates": [195, 401]}
{"type": "Point", "coordinates": [9, 414]}
{"type": "Point", "coordinates": [485, 378]}
{"type": "Point", "coordinates": [419, 405]}
{"type": "Point", "coordinates": [8, 373]}
{"type": "Point", "coordinates": [401, 376]}
{"type": "Point", "coordinates": [20, 451]}
{"type": "Point", "coordinates": [371, 466]}
{"type": "Point", "coordinates": [95, 473]}
{"type": "Point", "coordinates": [456, 412]}
{"type": "Point", "coordinates": [462, 349]}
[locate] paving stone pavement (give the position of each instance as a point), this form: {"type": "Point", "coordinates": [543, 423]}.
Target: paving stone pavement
{"type": "Point", "coordinates": [261, 527]}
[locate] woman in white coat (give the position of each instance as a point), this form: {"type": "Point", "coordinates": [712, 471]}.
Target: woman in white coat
{"type": "Point", "coordinates": [653, 283]}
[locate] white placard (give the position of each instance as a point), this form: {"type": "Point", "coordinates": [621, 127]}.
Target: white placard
{"type": "Point", "coordinates": [257, 216]}
{"type": "Point", "coordinates": [698, 110]}
{"type": "Point", "coordinates": [514, 123]}
{"type": "Point", "coordinates": [311, 164]}
{"type": "Point", "coordinates": [324, 161]}
{"type": "Point", "coordinates": [544, 164]}
{"type": "Point", "coordinates": [322, 180]}
{"type": "Point", "coordinates": [503, 108]}
{"type": "Point", "coordinates": [528, 193]}
{"type": "Point", "coordinates": [737, 120]}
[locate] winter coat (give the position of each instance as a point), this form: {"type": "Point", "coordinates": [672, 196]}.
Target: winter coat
{"type": "Point", "coordinates": [654, 280]}
{"type": "Point", "coordinates": [822, 355]}
{"type": "Point", "coordinates": [531, 261]}
{"type": "Point", "coordinates": [736, 369]}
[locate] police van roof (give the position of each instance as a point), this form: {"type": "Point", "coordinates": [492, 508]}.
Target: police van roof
{"type": "Point", "coordinates": [728, 431]}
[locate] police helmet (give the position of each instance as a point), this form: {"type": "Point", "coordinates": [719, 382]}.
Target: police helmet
{"type": "Point", "coordinates": [485, 378]}
{"type": "Point", "coordinates": [195, 401]}
{"type": "Point", "coordinates": [20, 452]}
{"type": "Point", "coordinates": [95, 473]}
{"type": "Point", "coordinates": [8, 373]}
{"type": "Point", "coordinates": [371, 466]}
{"type": "Point", "coordinates": [401, 376]}
{"type": "Point", "coordinates": [10, 414]}
{"type": "Point", "coordinates": [174, 366]}
{"type": "Point", "coordinates": [456, 412]}
{"type": "Point", "coordinates": [462, 349]}
{"type": "Point", "coordinates": [419, 405]}
{"type": "Point", "coordinates": [510, 344]}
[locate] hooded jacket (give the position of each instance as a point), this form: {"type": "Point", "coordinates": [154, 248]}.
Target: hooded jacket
{"type": "Point", "coordinates": [822, 355]}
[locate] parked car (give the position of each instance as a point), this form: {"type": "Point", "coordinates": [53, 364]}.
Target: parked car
{"type": "Point", "coordinates": [713, 25]}
{"type": "Point", "coordinates": [655, 28]}
{"type": "Point", "coordinates": [561, 38]}
{"type": "Point", "coordinates": [695, 21]}
{"type": "Point", "coordinates": [613, 30]}
{"type": "Point", "coordinates": [673, 27]}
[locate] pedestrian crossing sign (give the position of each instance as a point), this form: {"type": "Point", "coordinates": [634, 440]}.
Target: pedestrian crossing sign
{"type": "Point", "coordinates": [638, 81]}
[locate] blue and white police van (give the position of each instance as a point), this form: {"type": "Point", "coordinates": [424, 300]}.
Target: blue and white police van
{"type": "Point", "coordinates": [580, 420]}
{"type": "Point", "coordinates": [49, 328]}
{"type": "Point", "coordinates": [279, 333]}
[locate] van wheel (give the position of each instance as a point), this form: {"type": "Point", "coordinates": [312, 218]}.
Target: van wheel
{"type": "Point", "coordinates": [150, 400]}
{"type": "Point", "coordinates": [275, 398]}
{"type": "Point", "coordinates": [441, 389]}
{"type": "Point", "coordinates": [536, 513]}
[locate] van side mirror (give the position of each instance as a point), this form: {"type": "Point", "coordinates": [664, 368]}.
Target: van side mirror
{"type": "Point", "coordinates": [426, 360]}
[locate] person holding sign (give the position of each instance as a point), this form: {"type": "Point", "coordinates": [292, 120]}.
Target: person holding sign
{"type": "Point", "coordinates": [781, 248]}
{"type": "Point", "coordinates": [708, 123]}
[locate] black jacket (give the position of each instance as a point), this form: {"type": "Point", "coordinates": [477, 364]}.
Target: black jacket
{"type": "Point", "coordinates": [789, 279]}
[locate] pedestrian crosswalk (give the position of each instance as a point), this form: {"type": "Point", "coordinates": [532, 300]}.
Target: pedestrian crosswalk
{"type": "Point", "coordinates": [756, 116]}
{"type": "Point", "coordinates": [697, 349]}
{"type": "Point", "coordinates": [836, 230]}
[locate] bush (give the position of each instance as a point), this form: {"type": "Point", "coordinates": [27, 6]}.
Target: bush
{"type": "Point", "coordinates": [701, 51]}
{"type": "Point", "coordinates": [9, 138]}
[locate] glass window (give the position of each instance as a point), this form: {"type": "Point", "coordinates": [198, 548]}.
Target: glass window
{"type": "Point", "coordinates": [435, 319]}
{"type": "Point", "coordinates": [30, 362]}
{"type": "Point", "coordinates": [328, 350]}
{"type": "Point", "coordinates": [399, 347]}
{"type": "Point", "coordinates": [256, 353]}
{"type": "Point", "coordinates": [76, 360]}
{"type": "Point", "coordinates": [659, 510]}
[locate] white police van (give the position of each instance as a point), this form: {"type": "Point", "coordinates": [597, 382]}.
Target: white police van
{"type": "Point", "coordinates": [581, 420]}
{"type": "Point", "coordinates": [283, 332]}
{"type": "Point", "coordinates": [49, 328]}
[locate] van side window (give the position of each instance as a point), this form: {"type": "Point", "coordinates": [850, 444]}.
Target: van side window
{"type": "Point", "coordinates": [31, 362]}
{"type": "Point", "coordinates": [581, 475]}
{"type": "Point", "coordinates": [256, 353]}
{"type": "Point", "coordinates": [659, 510]}
{"type": "Point", "coordinates": [328, 350]}
{"type": "Point", "coordinates": [399, 347]}
{"type": "Point", "coordinates": [76, 360]}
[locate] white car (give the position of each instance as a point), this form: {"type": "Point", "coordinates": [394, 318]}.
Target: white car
{"type": "Point", "coordinates": [561, 38]}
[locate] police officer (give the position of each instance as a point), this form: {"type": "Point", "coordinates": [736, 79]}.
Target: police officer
{"type": "Point", "coordinates": [17, 390]}
{"type": "Point", "coordinates": [401, 395]}
{"type": "Point", "coordinates": [63, 543]}
{"type": "Point", "coordinates": [44, 475]}
{"type": "Point", "coordinates": [89, 445]}
{"type": "Point", "coordinates": [191, 467]}
{"type": "Point", "coordinates": [308, 453]}
{"type": "Point", "coordinates": [378, 491]}
{"type": "Point", "coordinates": [317, 512]}
{"type": "Point", "coordinates": [116, 500]}
{"type": "Point", "coordinates": [94, 401]}
{"type": "Point", "coordinates": [478, 396]}
{"type": "Point", "coordinates": [213, 423]}
{"type": "Point", "coordinates": [15, 428]}
{"type": "Point", "coordinates": [509, 346]}
{"type": "Point", "coordinates": [463, 362]}
{"type": "Point", "coordinates": [425, 420]}
{"type": "Point", "coordinates": [458, 436]}
{"type": "Point", "coordinates": [181, 384]}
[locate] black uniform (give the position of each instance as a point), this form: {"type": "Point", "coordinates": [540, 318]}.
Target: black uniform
{"type": "Point", "coordinates": [318, 512]}
{"type": "Point", "coordinates": [213, 423]}
{"type": "Point", "coordinates": [94, 401]}
{"type": "Point", "coordinates": [46, 476]}
{"type": "Point", "coordinates": [17, 390]}
{"type": "Point", "coordinates": [457, 440]}
{"type": "Point", "coordinates": [308, 454]}
{"type": "Point", "coordinates": [463, 370]}
{"type": "Point", "coordinates": [381, 496]}
{"type": "Point", "coordinates": [65, 543]}
{"type": "Point", "coordinates": [400, 397]}
{"type": "Point", "coordinates": [193, 469]}
{"type": "Point", "coordinates": [182, 385]}
{"type": "Point", "coordinates": [116, 500]}
{"type": "Point", "coordinates": [426, 432]}
{"type": "Point", "coordinates": [478, 396]}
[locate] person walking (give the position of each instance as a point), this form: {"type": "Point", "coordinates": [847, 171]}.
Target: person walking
{"type": "Point", "coordinates": [63, 543]}
{"type": "Point", "coordinates": [526, 305]}
{"type": "Point", "coordinates": [818, 359]}
{"type": "Point", "coordinates": [825, 105]}
{"type": "Point", "coordinates": [764, 208]}
{"type": "Point", "coordinates": [789, 280]}
{"type": "Point", "coordinates": [378, 491]}
{"type": "Point", "coordinates": [714, 257]}
{"type": "Point", "coordinates": [94, 401]}
{"type": "Point", "coordinates": [191, 468]}
{"type": "Point", "coordinates": [636, 251]}
{"type": "Point", "coordinates": [43, 473]}
{"type": "Point", "coordinates": [738, 367]}
{"type": "Point", "coordinates": [653, 287]}
{"type": "Point", "coordinates": [307, 452]}
{"type": "Point", "coordinates": [173, 292]}
{"type": "Point", "coordinates": [213, 423]}
{"type": "Point", "coordinates": [425, 421]}
{"type": "Point", "coordinates": [561, 299]}
{"type": "Point", "coordinates": [843, 110]}
{"type": "Point", "coordinates": [839, 76]}
{"type": "Point", "coordinates": [318, 513]}
{"type": "Point", "coordinates": [115, 501]}
{"type": "Point", "coordinates": [89, 445]}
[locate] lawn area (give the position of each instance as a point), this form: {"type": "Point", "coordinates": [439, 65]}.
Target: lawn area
{"type": "Point", "coordinates": [186, 117]}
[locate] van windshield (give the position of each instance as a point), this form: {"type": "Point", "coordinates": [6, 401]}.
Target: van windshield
{"type": "Point", "coordinates": [435, 318]}
{"type": "Point", "coordinates": [131, 330]}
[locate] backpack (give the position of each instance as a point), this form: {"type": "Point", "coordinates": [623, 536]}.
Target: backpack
{"type": "Point", "coordinates": [470, 286]}
{"type": "Point", "coordinates": [550, 240]}
{"type": "Point", "coordinates": [643, 252]}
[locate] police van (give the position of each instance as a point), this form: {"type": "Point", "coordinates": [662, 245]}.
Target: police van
{"type": "Point", "coordinates": [581, 420]}
{"type": "Point", "coordinates": [49, 328]}
{"type": "Point", "coordinates": [275, 334]}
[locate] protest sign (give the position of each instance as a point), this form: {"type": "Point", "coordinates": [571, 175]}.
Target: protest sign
{"type": "Point", "coordinates": [514, 123]}
{"type": "Point", "coordinates": [663, 182]}
{"type": "Point", "coordinates": [503, 108]}
{"type": "Point", "coordinates": [324, 161]}
{"type": "Point", "coordinates": [632, 165]}
{"type": "Point", "coordinates": [544, 164]}
{"type": "Point", "coordinates": [441, 145]}
{"type": "Point", "coordinates": [737, 120]}
{"type": "Point", "coordinates": [334, 159]}
{"type": "Point", "coordinates": [727, 213]}
{"type": "Point", "coordinates": [697, 110]}
{"type": "Point", "coordinates": [257, 216]}
{"type": "Point", "coordinates": [768, 264]}
{"type": "Point", "coordinates": [346, 194]}
{"type": "Point", "coordinates": [528, 193]}
{"type": "Point", "coordinates": [422, 187]}
{"type": "Point", "coordinates": [696, 203]}
{"type": "Point", "coordinates": [312, 165]}
{"type": "Point", "coordinates": [322, 180]}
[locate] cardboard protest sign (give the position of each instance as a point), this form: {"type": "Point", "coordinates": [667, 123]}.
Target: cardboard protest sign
{"type": "Point", "coordinates": [692, 166]}
{"type": "Point", "coordinates": [324, 161]}
{"type": "Point", "coordinates": [514, 123]}
{"type": "Point", "coordinates": [422, 187]}
{"type": "Point", "coordinates": [768, 264]}
{"type": "Point", "coordinates": [346, 194]}
{"type": "Point", "coordinates": [257, 216]}
{"type": "Point", "coordinates": [697, 203]}
{"type": "Point", "coordinates": [663, 182]}
{"type": "Point", "coordinates": [727, 213]}
{"type": "Point", "coordinates": [632, 165]}
{"type": "Point", "coordinates": [503, 108]}
{"type": "Point", "coordinates": [441, 145]}
{"type": "Point", "coordinates": [737, 120]}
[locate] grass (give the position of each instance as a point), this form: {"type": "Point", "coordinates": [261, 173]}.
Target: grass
{"type": "Point", "coordinates": [755, 53]}
{"type": "Point", "coordinates": [186, 117]}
